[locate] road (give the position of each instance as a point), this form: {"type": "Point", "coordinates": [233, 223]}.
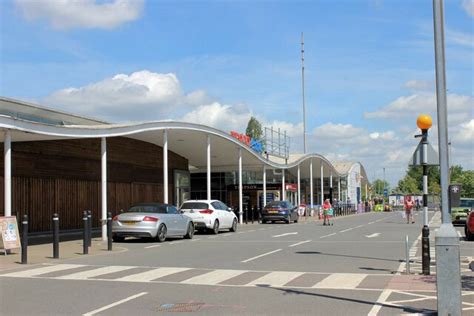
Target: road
{"type": "Point", "coordinates": [355, 267]}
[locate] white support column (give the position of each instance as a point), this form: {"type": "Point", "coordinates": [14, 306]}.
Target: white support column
{"type": "Point", "coordinates": [322, 183]}
{"type": "Point", "coordinates": [366, 191]}
{"type": "Point", "coordinates": [283, 195]}
{"type": "Point", "coordinates": [264, 186]}
{"type": "Point", "coordinates": [208, 167]}
{"type": "Point", "coordinates": [7, 151]}
{"type": "Point", "coordinates": [311, 182]}
{"type": "Point", "coordinates": [298, 185]}
{"type": "Point", "coordinates": [241, 202]}
{"type": "Point", "coordinates": [165, 166]}
{"type": "Point", "coordinates": [103, 148]}
{"type": "Point", "coordinates": [339, 189]}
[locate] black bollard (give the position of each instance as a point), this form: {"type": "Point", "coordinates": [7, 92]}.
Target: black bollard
{"type": "Point", "coordinates": [55, 236]}
{"type": "Point", "coordinates": [89, 228]}
{"type": "Point", "coordinates": [24, 240]}
{"type": "Point", "coordinates": [85, 248]}
{"type": "Point", "coordinates": [246, 214]}
{"type": "Point", "coordinates": [253, 211]}
{"type": "Point", "coordinates": [109, 231]}
{"type": "Point", "coordinates": [425, 248]}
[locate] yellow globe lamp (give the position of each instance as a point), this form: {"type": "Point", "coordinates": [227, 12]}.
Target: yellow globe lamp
{"type": "Point", "coordinates": [424, 121]}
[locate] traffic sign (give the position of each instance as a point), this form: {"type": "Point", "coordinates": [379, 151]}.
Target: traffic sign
{"type": "Point", "coordinates": [432, 158]}
{"type": "Point", "coordinates": [385, 192]}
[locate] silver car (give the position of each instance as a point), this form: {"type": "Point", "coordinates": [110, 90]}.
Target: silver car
{"type": "Point", "coordinates": [152, 220]}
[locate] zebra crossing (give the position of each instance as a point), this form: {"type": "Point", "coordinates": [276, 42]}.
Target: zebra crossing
{"type": "Point", "coordinates": [195, 276]}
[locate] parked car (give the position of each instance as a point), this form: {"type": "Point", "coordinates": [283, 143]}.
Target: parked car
{"type": "Point", "coordinates": [469, 226]}
{"type": "Point", "coordinates": [210, 215]}
{"type": "Point", "coordinates": [152, 220]}
{"type": "Point", "coordinates": [280, 211]}
{"type": "Point", "coordinates": [459, 214]}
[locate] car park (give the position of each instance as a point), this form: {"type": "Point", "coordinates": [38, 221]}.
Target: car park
{"type": "Point", "coordinates": [152, 220]}
{"type": "Point", "coordinates": [459, 214]}
{"type": "Point", "coordinates": [210, 215]}
{"type": "Point", "coordinates": [280, 211]}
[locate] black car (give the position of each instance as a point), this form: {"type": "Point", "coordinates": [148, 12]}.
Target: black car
{"type": "Point", "coordinates": [280, 211]}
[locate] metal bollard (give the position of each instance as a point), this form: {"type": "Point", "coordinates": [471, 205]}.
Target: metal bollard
{"type": "Point", "coordinates": [253, 210]}
{"type": "Point", "coordinates": [109, 231]}
{"type": "Point", "coordinates": [85, 248]}
{"type": "Point", "coordinates": [55, 236]}
{"type": "Point", "coordinates": [24, 240]}
{"type": "Point", "coordinates": [89, 228]}
{"type": "Point", "coordinates": [425, 250]}
{"type": "Point", "coordinates": [246, 213]}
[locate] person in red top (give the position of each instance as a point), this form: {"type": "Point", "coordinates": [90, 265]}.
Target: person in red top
{"type": "Point", "coordinates": [327, 212]}
{"type": "Point", "coordinates": [409, 209]}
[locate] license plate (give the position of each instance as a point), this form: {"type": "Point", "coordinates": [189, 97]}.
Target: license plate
{"type": "Point", "coordinates": [129, 222]}
{"type": "Point", "coordinates": [272, 212]}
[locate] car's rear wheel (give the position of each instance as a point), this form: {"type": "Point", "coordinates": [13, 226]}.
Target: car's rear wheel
{"type": "Point", "coordinates": [189, 231]}
{"type": "Point", "coordinates": [161, 234]}
{"type": "Point", "coordinates": [234, 226]}
{"type": "Point", "coordinates": [296, 220]}
{"type": "Point", "coordinates": [215, 228]}
{"type": "Point", "coordinates": [118, 238]}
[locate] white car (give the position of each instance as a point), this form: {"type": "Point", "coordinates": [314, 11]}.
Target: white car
{"type": "Point", "coordinates": [210, 214]}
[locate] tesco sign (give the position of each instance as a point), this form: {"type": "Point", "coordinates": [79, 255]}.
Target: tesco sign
{"type": "Point", "coordinates": [247, 140]}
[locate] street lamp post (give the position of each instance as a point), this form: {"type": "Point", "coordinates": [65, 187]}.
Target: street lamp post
{"type": "Point", "coordinates": [424, 122]}
{"type": "Point", "coordinates": [448, 270]}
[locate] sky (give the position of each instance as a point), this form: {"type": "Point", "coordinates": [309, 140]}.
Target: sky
{"type": "Point", "coordinates": [369, 68]}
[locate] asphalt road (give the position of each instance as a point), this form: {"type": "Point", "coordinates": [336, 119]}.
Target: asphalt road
{"type": "Point", "coordinates": [263, 269]}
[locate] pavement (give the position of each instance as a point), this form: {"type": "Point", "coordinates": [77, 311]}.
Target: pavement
{"type": "Point", "coordinates": [355, 267]}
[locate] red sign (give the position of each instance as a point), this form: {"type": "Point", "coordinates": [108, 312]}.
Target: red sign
{"type": "Point", "coordinates": [241, 137]}
{"type": "Point", "coordinates": [291, 187]}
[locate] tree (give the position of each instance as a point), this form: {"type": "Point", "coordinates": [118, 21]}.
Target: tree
{"type": "Point", "coordinates": [407, 185]}
{"type": "Point", "coordinates": [254, 129]}
{"type": "Point", "coordinates": [378, 186]}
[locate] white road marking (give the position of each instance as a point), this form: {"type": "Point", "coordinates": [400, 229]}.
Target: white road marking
{"type": "Point", "coordinates": [372, 235]}
{"type": "Point", "coordinates": [214, 277]}
{"type": "Point", "coordinates": [154, 246]}
{"type": "Point", "coordinates": [250, 231]}
{"type": "Point", "coordinates": [360, 226]}
{"type": "Point", "coordinates": [43, 270]}
{"type": "Point", "coordinates": [175, 242]}
{"type": "Point", "coordinates": [279, 278]}
{"type": "Point", "coordinates": [328, 235]}
{"type": "Point", "coordinates": [115, 304]}
{"type": "Point", "coordinates": [346, 230]}
{"type": "Point", "coordinates": [285, 234]}
{"type": "Point", "coordinates": [371, 223]}
{"type": "Point", "coordinates": [300, 243]}
{"type": "Point", "coordinates": [151, 275]}
{"type": "Point", "coordinates": [195, 239]}
{"type": "Point", "coordinates": [380, 301]}
{"type": "Point", "coordinates": [84, 275]}
{"type": "Point", "coordinates": [341, 281]}
{"type": "Point", "coordinates": [262, 255]}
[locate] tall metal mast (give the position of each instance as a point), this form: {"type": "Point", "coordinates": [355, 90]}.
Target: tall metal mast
{"type": "Point", "coordinates": [302, 84]}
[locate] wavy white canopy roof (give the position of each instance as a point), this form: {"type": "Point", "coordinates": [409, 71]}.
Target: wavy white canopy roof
{"type": "Point", "coordinates": [186, 139]}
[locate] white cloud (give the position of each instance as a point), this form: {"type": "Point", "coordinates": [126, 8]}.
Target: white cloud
{"type": "Point", "coordinates": [418, 85]}
{"type": "Point", "coordinates": [68, 14]}
{"type": "Point", "coordinates": [460, 38]}
{"type": "Point", "coordinates": [468, 6]}
{"type": "Point", "coordinates": [142, 95]}
{"type": "Point", "coordinates": [459, 107]}
{"type": "Point", "coordinates": [465, 134]}
{"type": "Point", "coordinates": [224, 117]}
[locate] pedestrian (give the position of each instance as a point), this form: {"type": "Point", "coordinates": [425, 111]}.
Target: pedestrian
{"type": "Point", "coordinates": [409, 209]}
{"type": "Point", "coordinates": [328, 212]}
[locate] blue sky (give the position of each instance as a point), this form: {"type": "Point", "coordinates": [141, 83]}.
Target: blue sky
{"type": "Point", "coordinates": [369, 68]}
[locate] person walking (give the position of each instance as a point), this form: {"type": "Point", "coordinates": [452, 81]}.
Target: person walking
{"type": "Point", "coordinates": [409, 209]}
{"type": "Point", "coordinates": [327, 212]}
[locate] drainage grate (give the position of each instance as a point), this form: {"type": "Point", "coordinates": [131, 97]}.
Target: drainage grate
{"type": "Point", "coordinates": [180, 307]}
